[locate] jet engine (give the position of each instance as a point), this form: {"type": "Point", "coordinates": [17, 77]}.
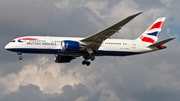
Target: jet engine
{"type": "Point", "coordinates": [63, 59]}
{"type": "Point", "coordinates": [68, 45]}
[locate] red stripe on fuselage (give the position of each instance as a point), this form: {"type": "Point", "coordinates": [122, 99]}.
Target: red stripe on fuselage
{"type": "Point", "coordinates": [156, 25]}
{"type": "Point", "coordinates": [28, 39]}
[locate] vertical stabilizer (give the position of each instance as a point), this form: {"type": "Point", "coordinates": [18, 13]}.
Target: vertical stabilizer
{"type": "Point", "coordinates": [152, 33]}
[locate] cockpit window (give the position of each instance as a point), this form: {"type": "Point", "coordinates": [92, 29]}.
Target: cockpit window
{"type": "Point", "coordinates": [13, 41]}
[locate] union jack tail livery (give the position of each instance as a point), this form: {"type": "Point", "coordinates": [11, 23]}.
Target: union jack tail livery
{"type": "Point", "coordinates": [152, 33]}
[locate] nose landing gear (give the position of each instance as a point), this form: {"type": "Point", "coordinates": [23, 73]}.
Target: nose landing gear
{"type": "Point", "coordinates": [20, 57]}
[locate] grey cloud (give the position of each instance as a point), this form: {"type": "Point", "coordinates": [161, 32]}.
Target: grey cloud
{"type": "Point", "coordinates": [12, 67]}
{"type": "Point", "coordinates": [156, 94]}
{"type": "Point", "coordinates": [95, 97]}
{"type": "Point", "coordinates": [26, 93]}
{"type": "Point", "coordinates": [19, 18]}
{"type": "Point", "coordinates": [136, 78]}
{"type": "Point", "coordinates": [149, 4]}
{"type": "Point", "coordinates": [33, 92]}
{"type": "Point", "coordinates": [71, 93]}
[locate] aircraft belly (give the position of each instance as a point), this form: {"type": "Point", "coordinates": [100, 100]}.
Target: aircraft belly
{"type": "Point", "coordinates": [78, 53]}
{"type": "Point", "coordinates": [116, 53]}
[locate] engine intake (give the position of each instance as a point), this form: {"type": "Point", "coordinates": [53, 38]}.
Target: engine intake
{"type": "Point", "coordinates": [68, 45]}
{"type": "Point", "coordinates": [63, 59]}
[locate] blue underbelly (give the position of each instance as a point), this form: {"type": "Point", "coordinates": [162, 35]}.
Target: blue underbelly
{"type": "Point", "coordinates": [78, 53]}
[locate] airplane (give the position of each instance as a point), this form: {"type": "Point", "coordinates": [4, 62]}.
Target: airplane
{"type": "Point", "coordinates": [66, 49]}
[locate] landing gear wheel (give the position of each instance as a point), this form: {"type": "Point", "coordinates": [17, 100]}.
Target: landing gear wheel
{"type": "Point", "coordinates": [87, 63]}
{"type": "Point", "coordinates": [20, 57]}
{"type": "Point", "coordinates": [84, 62]}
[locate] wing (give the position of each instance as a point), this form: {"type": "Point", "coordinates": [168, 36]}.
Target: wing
{"type": "Point", "coordinates": [95, 41]}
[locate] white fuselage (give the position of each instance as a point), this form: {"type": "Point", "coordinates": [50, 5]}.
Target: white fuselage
{"type": "Point", "coordinates": [52, 45]}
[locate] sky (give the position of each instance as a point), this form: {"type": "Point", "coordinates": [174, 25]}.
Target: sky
{"type": "Point", "coordinates": [148, 77]}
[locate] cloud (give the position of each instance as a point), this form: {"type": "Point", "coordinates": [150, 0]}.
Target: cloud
{"type": "Point", "coordinates": [49, 77]}
{"type": "Point", "coordinates": [71, 93]}
{"type": "Point", "coordinates": [32, 92]}
{"type": "Point", "coordinates": [122, 79]}
{"type": "Point", "coordinates": [26, 93]}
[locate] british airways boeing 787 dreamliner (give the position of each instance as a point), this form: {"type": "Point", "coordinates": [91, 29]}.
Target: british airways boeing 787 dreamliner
{"type": "Point", "coordinates": [66, 49]}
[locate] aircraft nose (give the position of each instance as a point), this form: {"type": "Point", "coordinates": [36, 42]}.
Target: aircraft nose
{"type": "Point", "coordinates": [7, 47]}
{"type": "Point", "coordinates": [10, 47]}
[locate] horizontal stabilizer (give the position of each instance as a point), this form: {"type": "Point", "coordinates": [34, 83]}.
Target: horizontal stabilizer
{"type": "Point", "coordinates": [161, 42]}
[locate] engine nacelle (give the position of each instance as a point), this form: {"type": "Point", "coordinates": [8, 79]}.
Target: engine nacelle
{"type": "Point", "coordinates": [63, 59]}
{"type": "Point", "coordinates": [68, 45]}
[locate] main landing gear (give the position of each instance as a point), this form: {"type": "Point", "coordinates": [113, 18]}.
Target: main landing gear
{"type": "Point", "coordinates": [20, 57]}
{"type": "Point", "coordinates": [86, 62]}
